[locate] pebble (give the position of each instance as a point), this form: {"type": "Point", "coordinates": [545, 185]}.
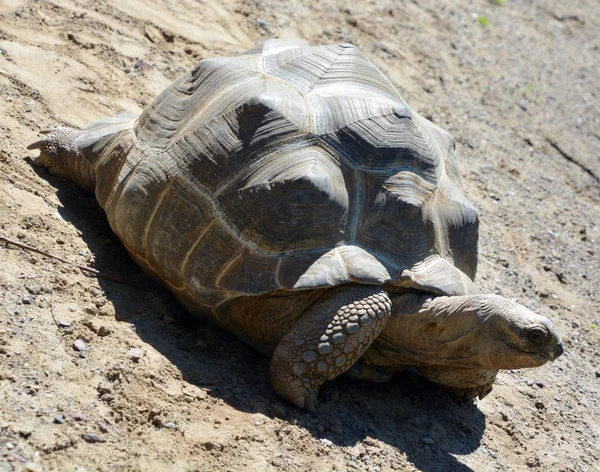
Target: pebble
{"type": "Point", "coordinates": [170, 425]}
{"type": "Point", "coordinates": [540, 405]}
{"type": "Point", "coordinates": [59, 419]}
{"type": "Point", "coordinates": [134, 354]}
{"type": "Point", "coordinates": [326, 442]}
{"type": "Point", "coordinates": [557, 398]}
{"type": "Point", "coordinates": [103, 331]}
{"type": "Point", "coordinates": [104, 387]}
{"type": "Point", "coordinates": [428, 440]}
{"type": "Point", "coordinates": [93, 438]}
{"type": "Point", "coordinates": [209, 445]}
{"type": "Point", "coordinates": [79, 345]}
{"type": "Point", "coordinates": [34, 289]}
{"type": "Point", "coordinates": [262, 23]}
{"type": "Point", "coordinates": [27, 300]}
{"type": "Point", "coordinates": [13, 310]}
{"type": "Point", "coordinates": [63, 323]}
{"type": "Point", "coordinates": [10, 445]}
{"type": "Point", "coordinates": [103, 426]}
{"type": "Point", "coordinates": [16, 457]}
{"type": "Point", "coordinates": [107, 310]}
{"type": "Point", "coordinates": [81, 418]}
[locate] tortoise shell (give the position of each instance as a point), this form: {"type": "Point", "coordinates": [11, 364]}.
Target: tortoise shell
{"type": "Point", "coordinates": [287, 168]}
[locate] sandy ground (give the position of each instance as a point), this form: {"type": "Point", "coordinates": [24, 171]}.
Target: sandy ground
{"type": "Point", "coordinates": [516, 82]}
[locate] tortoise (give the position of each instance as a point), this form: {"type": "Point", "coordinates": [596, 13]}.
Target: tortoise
{"type": "Point", "coordinates": [291, 196]}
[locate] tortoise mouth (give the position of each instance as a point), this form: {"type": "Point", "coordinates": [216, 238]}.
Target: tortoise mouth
{"type": "Point", "coordinates": [536, 358]}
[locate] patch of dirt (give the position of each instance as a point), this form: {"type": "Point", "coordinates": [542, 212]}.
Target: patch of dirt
{"type": "Point", "coordinates": [517, 83]}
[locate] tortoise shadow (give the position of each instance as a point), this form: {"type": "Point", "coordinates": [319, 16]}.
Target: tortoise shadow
{"type": "Point", "coordinates": [408, 413]}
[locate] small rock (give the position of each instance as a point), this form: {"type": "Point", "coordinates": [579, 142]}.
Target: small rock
{"type": "Point", "coordinates": [135, 354]}
{"type": "Point", "coordinates": [540, 384]}
{"type": "Point", "coordinates": [13, 310]}
{"type": "Point", "coordinates": [34, 289]}
{"type": "Point", "coordinates": [210, 446]}
{"type": "Point", "coordinates": [428, 440]}
{"type": "Point", "coordinates": [170, 425]}
{"type": "Point", "coordinates": [557, 398]}
{"type": "Point", "coordinates": [91, 309]}
{"type": "Point", "coordinates": [16, 457]}
{"type": "Point", "coordinates": [153, 34]}
{"type": "Point", "coordinates": [103, 426]}
{"type": "Point", "coordinates": [326, 442]}
{"type": "Point", "coordinates": [10, 445]}
{"type": "Point", "coordinates": [141, 65]}
{"type": "Point", "coordinates": [95, 291]}
{"type": "Point", "coordinates": [262, 23]}
{"type": "Point", "coordinates": [540, 405]}
{"type": "Point", "coordinates": [93, 438]}
{"type": "Point", "coordinates": [79, 345]}
{"type": "Point", "coordinates": [103, 331]}
{"type": "Point", "coordinates": [60, 419]}
{"type": "Point", "coordinates": [107, 310]}
{"type": "Point", "coordinates": [104, 387]}
{"type": "Point", "coordinates": [64, 324]}
{"type": "Point", "coordinates": [27, 300]}
{"type": "Point", "coordinates": [79, 417]}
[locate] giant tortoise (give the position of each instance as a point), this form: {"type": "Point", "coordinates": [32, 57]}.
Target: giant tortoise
{"type": "Point", "coordinates": [292, 196]}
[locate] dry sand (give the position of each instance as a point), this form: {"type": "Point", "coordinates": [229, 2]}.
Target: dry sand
{"type": "Point", "coordinates": [517, 84]}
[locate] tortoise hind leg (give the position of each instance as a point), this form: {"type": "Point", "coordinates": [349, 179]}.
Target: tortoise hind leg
{"type": "Point", "coordinates": [59, 154]}
{"type": "Point", "coordinates": [370, 372]}
{"type": "Point", "coordinates": [327, 340]}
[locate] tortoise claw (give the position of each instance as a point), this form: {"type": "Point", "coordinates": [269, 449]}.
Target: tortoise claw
{"type": "Point", "coordinates": [37, 144]}
{"type": "Point", "coordinates": [40, 143]}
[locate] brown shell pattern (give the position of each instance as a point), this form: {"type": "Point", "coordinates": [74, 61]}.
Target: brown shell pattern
{"type": "Point", "coordinates": [289, 167]}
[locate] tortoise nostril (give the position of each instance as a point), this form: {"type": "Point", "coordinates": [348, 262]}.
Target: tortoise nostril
{"type": "Point", "coordinates": [559, 349]}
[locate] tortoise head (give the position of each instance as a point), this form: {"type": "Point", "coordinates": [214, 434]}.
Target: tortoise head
{"type": "Point", "coordinates": [470, 331]}
{"type": "Point", "coordinates": [518, 337]}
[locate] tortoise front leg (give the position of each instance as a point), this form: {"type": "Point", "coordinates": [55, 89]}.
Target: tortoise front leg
{"type": "Point", "coordinates": [327, 340]}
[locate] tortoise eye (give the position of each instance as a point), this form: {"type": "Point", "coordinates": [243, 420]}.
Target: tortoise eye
{"type": "Point", "coordinates": [537, 335]}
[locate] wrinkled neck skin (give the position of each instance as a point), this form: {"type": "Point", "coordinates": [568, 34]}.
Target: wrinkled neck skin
{"type": "Point", "coordinates": [450, 331]}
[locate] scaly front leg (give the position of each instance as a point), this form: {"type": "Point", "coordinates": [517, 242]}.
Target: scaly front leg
{"type": "Point", "coordinates": [327, 340]}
